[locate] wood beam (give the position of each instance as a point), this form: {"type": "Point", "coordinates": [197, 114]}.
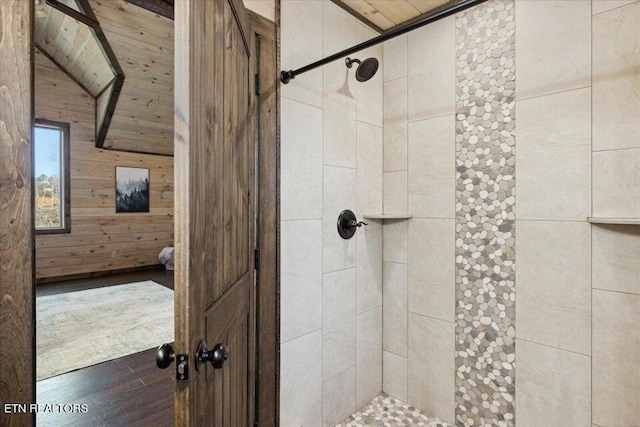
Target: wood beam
{"type": "Point", "coordinates": [160, 7]}
{"type": "Point", "coordinates": [72, 13]}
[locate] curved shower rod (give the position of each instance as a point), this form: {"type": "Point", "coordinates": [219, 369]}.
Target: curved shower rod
{"type": "Point", "coordinates": [438, 13]}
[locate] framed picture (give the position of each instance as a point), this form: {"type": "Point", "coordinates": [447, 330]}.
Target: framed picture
{"type": "Point", "coordinates": [132, 189]}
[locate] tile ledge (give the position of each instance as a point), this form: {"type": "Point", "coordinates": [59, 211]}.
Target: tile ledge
{"type": "Point", "coordinates": [388, 216]}
{"type": "Point", "coordinates": [623, 221]}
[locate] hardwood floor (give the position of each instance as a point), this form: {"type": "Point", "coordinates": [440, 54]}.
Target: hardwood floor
{"type": "Point", "coordinates": [129, 391]}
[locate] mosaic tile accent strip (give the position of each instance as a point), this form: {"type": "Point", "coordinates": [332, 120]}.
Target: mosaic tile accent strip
{"type": "Point", "coordinates": [385, 411]}
{"type": "Point", "coordinates": [485, 215]}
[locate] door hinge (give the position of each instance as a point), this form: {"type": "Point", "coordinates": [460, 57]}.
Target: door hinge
{"type": "Point", "coordinates": [257, 84]}
{"type": "Point", "coordinates": [256, 258]}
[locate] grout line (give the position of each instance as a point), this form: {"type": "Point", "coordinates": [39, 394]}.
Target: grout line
{"type": "Point", "coordinates": [431, 317]}
{"type": "Point", "coordinates": [610, 290]}
{"type": "Point", "coordinates": [322, 234]}
{"type": "Point", "coordinates": [395, 262]}
{"type": "Point", "coordinates": [369, 124]}
{"type": "Point", "coordinates": [609, 149]}
{"type": "Point", "coordinates": [575, 221]}
{"type": "Point", "coordinates": [340, 372]}
{"type": "Point", "coordinates": [393, 352]}
{"type": "Point", "coordinates": [552, 346]}
{"type": "Point", "coordinates": [435, 217]}
{"type": "Point", "coordinates": [428, 118]}
{"type": "Point", "coordinates": [610, 10]}
{"type": "Point", "coordinates": [301, 219]}
{"type": "Point", "coordinates": [302, 102]}
{"type": "Point", "coordinates": [552, 93]}
{"type": "Point", "coordinates": [300, 336]}
{"type": "Point", "coordinates": [591, 213]}
{"type": "Point", "coordinates": [406, 76]}
{"type": "Point", "coordinates": [336, 166]}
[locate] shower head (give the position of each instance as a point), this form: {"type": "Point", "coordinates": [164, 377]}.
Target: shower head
{"type": "Point", "coordinates": [366, 69]}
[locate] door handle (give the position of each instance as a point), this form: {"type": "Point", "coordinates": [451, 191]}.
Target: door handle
{"type": "Point", "coordinates": [217, 355]}
{"type": "Point", "coordinates": [164, 356]}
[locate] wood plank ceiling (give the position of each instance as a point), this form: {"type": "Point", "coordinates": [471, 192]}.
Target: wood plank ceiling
{"type": "Point", "coordinates": [383, 15]}
{"type": "Point", "coordinates": [73, 47]}
{"type": "Point", "coordinates": [143, 43]}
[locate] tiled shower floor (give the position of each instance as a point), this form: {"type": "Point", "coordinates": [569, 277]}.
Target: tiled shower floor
{"type": "Point", "coordinates": [386, 411]}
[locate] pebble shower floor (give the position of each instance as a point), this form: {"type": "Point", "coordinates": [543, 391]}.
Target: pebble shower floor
{"type": "Point", "coordinates": [386, 411]}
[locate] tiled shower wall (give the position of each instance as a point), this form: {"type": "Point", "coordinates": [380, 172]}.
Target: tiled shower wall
{"type": "Point", "coordinates": [331, 289]}
{"type": "Point", "coordinates": [573, 131]}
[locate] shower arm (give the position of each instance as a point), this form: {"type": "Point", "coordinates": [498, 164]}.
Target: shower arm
{"type": "Point", "coordinates": [438, 13]}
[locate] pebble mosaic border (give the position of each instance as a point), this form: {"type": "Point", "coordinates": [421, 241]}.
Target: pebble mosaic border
{"type": "Point", "coordinates": [385, 411]}
{"type": "Point", "coordinates": [485, 215]}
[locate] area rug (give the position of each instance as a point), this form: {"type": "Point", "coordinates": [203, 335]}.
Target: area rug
{"type": "Point", "coordinates": [79, 329]}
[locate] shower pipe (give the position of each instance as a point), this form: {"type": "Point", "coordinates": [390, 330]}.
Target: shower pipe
{"type": "Point", "coordinates": [438, 13]}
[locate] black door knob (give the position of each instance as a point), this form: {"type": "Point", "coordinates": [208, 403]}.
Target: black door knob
{"type": "Point", "coordinates": [164, 356]}
{"type": "Point", "coordinates": [217, 355]}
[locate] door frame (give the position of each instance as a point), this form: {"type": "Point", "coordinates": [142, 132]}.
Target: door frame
{"type": "Point", "coordinates": [17, 274]}
{"type": "Point", "coordinates": [268, 220]}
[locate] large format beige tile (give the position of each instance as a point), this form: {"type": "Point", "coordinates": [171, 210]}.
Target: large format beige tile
{"type": "Point", "coordinates": [432, 268]}
{"type": "Point", "coordinates": [552, 386]}
{"type": "Point", "coordinates": [339, 193]}
{"type": "Point", "coordinates": [339, 30]}
{"type": "Point", "coordinates": [394, 373]}
{"type": "Point", "coordinates": [616, 258]}
{"type": "Point", "coordinates": [432, 65]}
{"type": "Point", "coordinates": [554, 156]}
{"type": "Point", "coordinates": [368, 356]}
{"type": "Point", "coordinates": [297, 18]}
{"type": "Point", "coordinates": [395, 125]}
{"type": "Point", "coordinates": [369, 92]}
{"type": "Point", "coordinates": [599, 6]}
{"type": "Point", "coordinates": [553, 45]}
{"type": "Point", "coordinates": [338, 321]}
{"type": "Point", "coordinates": [395, 241]}
{"type": "Point", "coordinates": [432, 167]}
{"type": "Point", "coordinates": [339, 397]}
{"type": "Point", "coordinates": [301, 381]}
{"type": "Point", "coordinates": [395, 58]}
{"type": "Point", "coordinates": [301, 278]}
{"type": "Point", "coordinates": [395, 192]}
{"type": "Point", "coordinates": [369, 267]}
{"type": "Point", "coordinates": [554, 284]}
{"type": "Point", "coordinates": [301, 164]}
{"type": "Point", "coordinates": [616, 79]}
{"type": "Point", "coordinates": [616, 183]}
{"type": "Point", "coordinates": [339, 126]}
{"type": "Point", "coordinates": [369, 173]}
{"type": "Point", "coordinates": [339, 95]}
{"type": "Point", "coordinates": [394, 308]}
{"type": "Point", "coordinates": [431, 385]}
{"type": "Point", "coordinates": [616, 358]}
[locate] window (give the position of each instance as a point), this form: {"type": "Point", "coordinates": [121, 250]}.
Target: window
{"type": "Point", "coordinates": [51, 170]}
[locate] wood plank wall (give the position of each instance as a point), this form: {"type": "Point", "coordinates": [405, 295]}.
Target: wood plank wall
{"type": "Point", "coordinates": [96, 230]}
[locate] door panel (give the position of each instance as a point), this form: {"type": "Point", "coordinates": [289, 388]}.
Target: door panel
{"type": "Point", "coordinates": [215, 174]}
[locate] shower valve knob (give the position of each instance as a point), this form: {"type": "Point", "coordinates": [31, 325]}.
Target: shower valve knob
{"type": "Point", "coordinates": [348, 223]}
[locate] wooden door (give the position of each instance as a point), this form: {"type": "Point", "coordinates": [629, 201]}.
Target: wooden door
{"type": "Point", "coordinates": [214, 196]}
{"type": "Point", "coordinates": [17, 334]}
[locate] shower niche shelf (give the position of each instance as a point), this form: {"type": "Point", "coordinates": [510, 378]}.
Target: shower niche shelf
{"type": "Point", "coordinates": [621, 221]}
{"type": "Point", "coordinates": [389, 216]}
